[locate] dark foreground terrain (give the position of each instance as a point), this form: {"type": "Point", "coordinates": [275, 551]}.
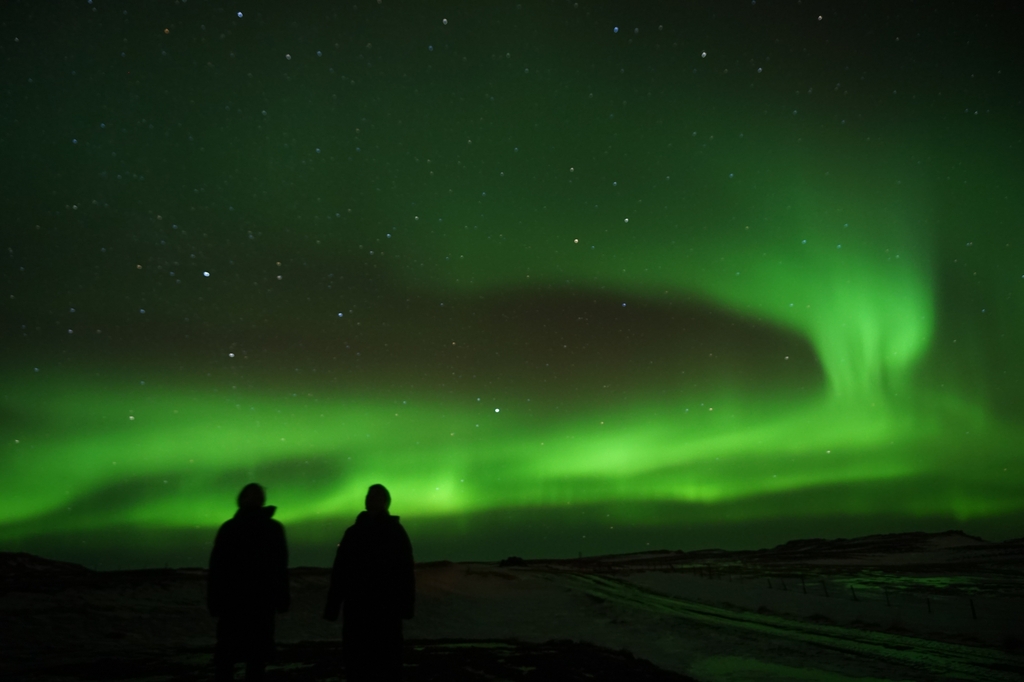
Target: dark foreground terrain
{"type": "Point", "coordinates": [425, 661]}
{"type": "Point", "coordinates": [914, 606]}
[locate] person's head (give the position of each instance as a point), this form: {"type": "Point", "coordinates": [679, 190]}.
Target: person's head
{"type": "Point", "coordinates": [252, 496]}
{"type": "Point", "coordinates": [378, 499]}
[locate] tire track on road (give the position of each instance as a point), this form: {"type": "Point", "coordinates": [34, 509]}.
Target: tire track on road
{"type": "Point", "coordinates": [956, 661]}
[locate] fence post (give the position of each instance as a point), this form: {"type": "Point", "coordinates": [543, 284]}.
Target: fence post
{"type": "Point", "coordinates": [974, 614]}
{"type": "Point", "coordinates": [853, 593]}
{"type": "Point", "coordinates": [824, 587]}
{"type": "Point", "coordinates": [803, 584]}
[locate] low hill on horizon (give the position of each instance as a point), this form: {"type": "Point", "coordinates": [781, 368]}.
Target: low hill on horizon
{"type": "Point", "coordinates": [906, 547]}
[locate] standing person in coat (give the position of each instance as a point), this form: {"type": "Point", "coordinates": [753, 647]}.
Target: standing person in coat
{"type": "Point", "coordinates": [373, 577]}
{"type": "Point", "coordinates": [248, 583]}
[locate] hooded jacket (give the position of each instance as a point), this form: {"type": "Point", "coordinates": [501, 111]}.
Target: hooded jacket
{"type": "Point", "coordinates": [249, 566]}
{"type": "Point", "coordinates": [373, 573]}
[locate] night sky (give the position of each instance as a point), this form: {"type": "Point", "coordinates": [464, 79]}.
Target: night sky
{"type": "Point", "coordinates": [566, 277]}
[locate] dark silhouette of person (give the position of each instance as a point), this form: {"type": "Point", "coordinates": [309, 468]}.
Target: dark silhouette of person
{"type": "Point", "coordinates": [247, 584]}
{"type": "Point", "coordinates": [373, 578]}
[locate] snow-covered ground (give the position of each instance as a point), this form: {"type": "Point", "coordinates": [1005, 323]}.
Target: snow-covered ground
{"type": "Point", "coordinates": [716, 616]}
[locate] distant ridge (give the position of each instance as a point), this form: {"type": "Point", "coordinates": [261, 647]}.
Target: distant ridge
{"type": "Point", "coordinates": [885, 543]}
{"type": "Point", "coordinates": [19, 565]}
{"type": "Point", "coordinates": [889, 549]}
{"type": "Point", "coordinates": [23, 569]}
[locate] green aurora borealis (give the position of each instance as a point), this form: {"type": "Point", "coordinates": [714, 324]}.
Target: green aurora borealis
{"type": "Point", "coordinates": [566, 277]}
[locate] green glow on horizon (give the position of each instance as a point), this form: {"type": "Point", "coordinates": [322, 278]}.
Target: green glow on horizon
{"type": "Point", "coordinates": [438, 462]}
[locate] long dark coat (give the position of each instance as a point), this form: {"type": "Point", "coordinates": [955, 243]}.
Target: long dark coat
{"type": "Point", "coordinates": [248, 583]}
{"type": "Point", "coordinates": [373, 578]}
